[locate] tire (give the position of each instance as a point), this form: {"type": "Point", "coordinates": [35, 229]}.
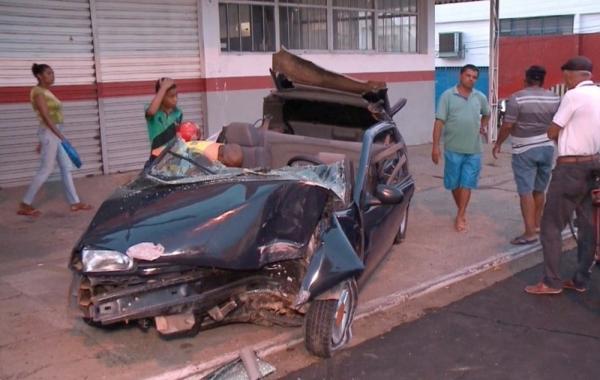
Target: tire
{"type": "Point", "coordinates": [401, 235]}
{"type": "Point", "coordinates": [327, 325]}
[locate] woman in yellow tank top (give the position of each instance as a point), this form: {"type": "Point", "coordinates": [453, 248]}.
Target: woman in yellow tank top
{"type": "Point", "coordinates": [49, 111]}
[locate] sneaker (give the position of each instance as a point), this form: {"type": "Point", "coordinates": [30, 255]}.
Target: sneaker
{"type": "Point", "coordinates": [570, 284]}
{"type": "Point", "coordinates": [540, 289]}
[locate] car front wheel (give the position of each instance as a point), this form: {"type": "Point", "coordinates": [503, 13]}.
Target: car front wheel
{"type": "Point", "coordinates": [327, 325]}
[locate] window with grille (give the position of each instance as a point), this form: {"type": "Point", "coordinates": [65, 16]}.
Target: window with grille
{"type": "Point", "coordinates": [353, 22]}
{"type": "Point", "coordinates": [537, 26]}
{"type": "Point", "coordinates": [247, 27]}
{"type": "Point", "coordinates": [334, 25]}
{"type": "Point", "coordinates": [397, 26]}
{"type": "Point", "coordinates": [303, 24]}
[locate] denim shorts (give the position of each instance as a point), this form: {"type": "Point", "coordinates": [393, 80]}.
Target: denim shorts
{"type": "Point", "coordinates": [461, 170]}
{"type": "Point", "coordinates": [532, 169]}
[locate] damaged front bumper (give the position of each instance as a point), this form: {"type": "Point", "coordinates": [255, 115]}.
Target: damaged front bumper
{"type": "Point", "coordinates": [198, 298]}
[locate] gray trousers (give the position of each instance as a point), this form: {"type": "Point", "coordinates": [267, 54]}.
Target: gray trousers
{"type": "Point", "coordinates": [52, 152]}
{"type": "Point", "coordinates": [569, 191]}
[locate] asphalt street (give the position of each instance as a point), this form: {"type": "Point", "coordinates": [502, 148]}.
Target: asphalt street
{"type": "Point", "coordinates": [498, 333]}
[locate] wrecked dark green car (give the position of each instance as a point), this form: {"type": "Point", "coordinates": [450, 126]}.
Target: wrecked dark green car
{"type": "Point", "coordinates": [289, 238]}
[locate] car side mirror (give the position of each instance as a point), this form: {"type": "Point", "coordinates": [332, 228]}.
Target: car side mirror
{"type": "Point", "coordinates": [387, 195]}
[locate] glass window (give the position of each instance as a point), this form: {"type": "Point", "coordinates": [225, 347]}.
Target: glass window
{"type": "Point", "coordinates": [550, 25]}
{"type": "Point", "coordinates": [353, 30]}
{"type": "Point", "coordinates": [246, 27]}
{"type": "Point", "coordinates": [519, 27]}
{"type": "Point", "coordinates": [361, 25]}
{"type": "Point", "coordinates": [364, 4]}
{"type": "Point", "coordinates": [565, 25]}
{"type": "Point", "coordinates": [397, 26]}
{"type": "Point", "coordinates": [505, 27]}
{"type": "Point", "coordinates": [304, 2]}
{"type": "Point", "coordinates": [535, 26]}
{"type": "Point", "coordinates": [303, 28]}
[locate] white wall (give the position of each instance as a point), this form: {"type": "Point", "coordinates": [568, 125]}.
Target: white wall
{"type": "Point", "coordinates": [228, 106]}
{"type": "Point", "coordinates": [472, 18]}
{"type": "Point", "coordinates": [532, 8]}
{"type": "Point", "coordinates": [588, 23]}
{"type": "Point", "coordinates": [475, 41]}
{"type": "Point", "coordinates": [220, 64]}
{"type": "Point", "coordinates": [224, 107]}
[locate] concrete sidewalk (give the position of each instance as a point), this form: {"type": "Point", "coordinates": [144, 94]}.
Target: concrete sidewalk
{"type": "Point", "coordinates": [39, 339]}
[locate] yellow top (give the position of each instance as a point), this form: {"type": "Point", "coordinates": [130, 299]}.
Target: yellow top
{"type": "Point", "coordinates": [198, 146]}
{"type": "Point", "coordinates": [209, 149]}
{"type": "Point", "coordinates": [54, 105]}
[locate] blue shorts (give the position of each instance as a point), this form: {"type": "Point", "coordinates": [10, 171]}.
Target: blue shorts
{"type": "Point", "coordinates": [532, 169]}
{"type": "Point", "coordinates": [461, 170]}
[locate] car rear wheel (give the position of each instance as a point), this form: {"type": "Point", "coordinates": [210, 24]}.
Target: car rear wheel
{"type": "Point", "coordinates": [327, 325]}
{"type": "Point", "coordinates": [403, 226]}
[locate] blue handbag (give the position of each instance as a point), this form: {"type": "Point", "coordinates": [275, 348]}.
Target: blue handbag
{"type": "Point", "coordinates": [71, 152]}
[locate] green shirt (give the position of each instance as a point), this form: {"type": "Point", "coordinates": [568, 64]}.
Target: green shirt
{"type": "Point", "coordinates": [160, 122]}
{"type": "Point", "coordinates": [461, 117]}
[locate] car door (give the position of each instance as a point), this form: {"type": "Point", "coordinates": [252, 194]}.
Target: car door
{"type": "Point", "coordinates": [385, 164]}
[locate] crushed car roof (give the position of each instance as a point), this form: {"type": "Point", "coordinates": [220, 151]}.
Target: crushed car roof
{"type": "Point", "coordinates": [289, 70]}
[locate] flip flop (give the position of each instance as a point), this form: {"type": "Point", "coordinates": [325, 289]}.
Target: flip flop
{"type": "Point", "coordinates": [80, 206]}
{"type": "Point", "coordinates": [522, 240]}
{"type": "Point", "coordinates": [28, 211]}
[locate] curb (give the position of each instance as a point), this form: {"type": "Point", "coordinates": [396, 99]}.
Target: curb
{"type": "Point", "coordinates": [378, 305]}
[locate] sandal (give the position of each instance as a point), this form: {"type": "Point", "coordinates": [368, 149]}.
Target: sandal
{"type": "Point", "coordinates": [80, 207]}
{"type": "Point", "coordinates": [28, 210]}
{"type": "Point", "coordinates": [522, 240]}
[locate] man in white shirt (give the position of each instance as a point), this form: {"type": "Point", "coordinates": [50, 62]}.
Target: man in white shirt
{"type": "Point", "coordinates": [576, 128]}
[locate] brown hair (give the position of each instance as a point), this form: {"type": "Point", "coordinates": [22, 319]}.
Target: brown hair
{"type": "Point", "coordinates": [157, 85]}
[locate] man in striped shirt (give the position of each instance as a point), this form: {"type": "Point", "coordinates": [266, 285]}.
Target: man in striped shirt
{"type": "Point", "coordinates": [528, 115]}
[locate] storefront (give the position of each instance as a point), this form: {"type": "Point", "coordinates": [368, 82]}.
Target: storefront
{"type": "Point", "coordinates": [108, 54]}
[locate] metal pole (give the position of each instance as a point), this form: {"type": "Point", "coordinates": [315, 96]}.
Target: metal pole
{"type": "Point", "coordinates": [492, 132]}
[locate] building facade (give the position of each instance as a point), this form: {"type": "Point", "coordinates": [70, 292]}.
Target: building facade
{"type": "Point", "coordinates": [107, 54]}
{"type": "Point", "coordinates": [544, 32]}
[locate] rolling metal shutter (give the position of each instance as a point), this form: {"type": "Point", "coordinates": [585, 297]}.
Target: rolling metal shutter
{"type": "Point", "coordinates": [58, 33]}
{"type": "Point", "coordinates": [140, 41]}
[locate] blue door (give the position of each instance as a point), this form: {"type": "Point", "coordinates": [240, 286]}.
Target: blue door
{"type": "Point", "coordinates": [446, 77]}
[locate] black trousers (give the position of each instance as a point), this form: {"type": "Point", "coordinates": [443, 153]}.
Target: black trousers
{"type": "Point", "coordinates": [569, 190]}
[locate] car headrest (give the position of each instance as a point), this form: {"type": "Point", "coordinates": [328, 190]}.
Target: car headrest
{"type": "Point", "coordinates": [244, 134]}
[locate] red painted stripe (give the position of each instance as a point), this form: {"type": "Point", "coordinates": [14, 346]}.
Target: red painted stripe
{"type": "Point", "coordinates": [397, 77]}
{"type": "Point", "coordinates": [20, 94]}
{"type": "Point", "coordinates": [238, 83]}
{"type": "Point", "coordinates": [117, 89]}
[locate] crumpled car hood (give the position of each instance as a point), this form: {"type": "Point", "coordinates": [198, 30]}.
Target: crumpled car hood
{"type": "Point", "coordinates": [227, 224]}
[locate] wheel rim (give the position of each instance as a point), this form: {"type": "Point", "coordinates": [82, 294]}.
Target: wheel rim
{"type": "Point", "coordinates": [342, 316]}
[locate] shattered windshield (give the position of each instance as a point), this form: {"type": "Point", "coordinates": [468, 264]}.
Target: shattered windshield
{"type": "Point", "coordinates": [180, 165]}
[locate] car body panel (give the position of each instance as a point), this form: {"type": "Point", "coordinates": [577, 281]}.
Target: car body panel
{"type": "Point", "coordinates": [239, 225]}
{"type": "Point", "coordinates": [334, 261]}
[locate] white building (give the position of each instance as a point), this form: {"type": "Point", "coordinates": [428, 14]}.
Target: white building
{"type": "Point", "coordinates": [473, 21]}
{"type": "Point", "coordinates": [107, 54]}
